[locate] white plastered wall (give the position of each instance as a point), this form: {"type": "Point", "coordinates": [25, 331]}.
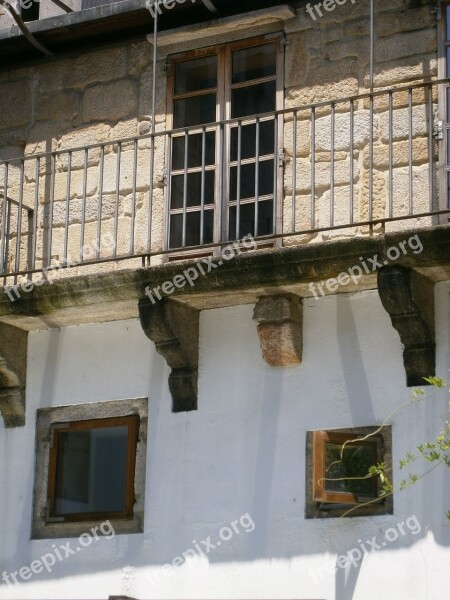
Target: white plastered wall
{"type": "Point", "coordinates": [242, 452]}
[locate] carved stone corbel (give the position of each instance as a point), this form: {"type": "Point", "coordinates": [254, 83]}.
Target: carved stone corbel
{"type": "Point", "coordinates": [13, 366]}
{"type": "Point", "coordinates": [12, 397]}
{"type": "Point", "coordinates": [409, 299]}
{"type": "Point", "coordinates": [280, 329]}
{"type": "Point", "coordinates": [174, 328]}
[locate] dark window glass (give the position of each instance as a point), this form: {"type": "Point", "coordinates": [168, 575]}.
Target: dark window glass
{"type": "Point", "coordinates": [176, 231]}
{"type": "Point", "coordinates": [248, 178]}
{"type": "Point", "coordinates": [194, 111]}
{"type": "Point", "coordinates": [193, 227]}
{"type": "Point", "coordinates": [448, 190]}
{"type": "Point", "coordinates": [448, 23]}
{"type": "Point", "coordinates": [194, 189]}
{"type": "Point", "coordinates": [247, 219]}
{"type": "Point", "coordinates": [448, 104]}
{"type": "Point", "coordinates": [91, 471]}
{"type": "Point", "coordinates": [254, 99]}
{"type": "Point", "coordinates": [354, 462]}
{"type": "Point", "coordinates": [248, 140]}
{"type": "Point", "coordinates": [448, 147]}
{"type": "Point", "coordinates": [195, 75]}
{"type": "Point", "coordinates": [194, 150]}
{"type": "Point", "coordinates": [254, 63]}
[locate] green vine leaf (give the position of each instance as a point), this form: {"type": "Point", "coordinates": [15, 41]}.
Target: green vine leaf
{"type": "Point", "coordinates": [436, 381]}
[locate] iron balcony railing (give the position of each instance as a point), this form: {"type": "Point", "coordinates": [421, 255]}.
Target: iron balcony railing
{"type": "Point", "coordinates": [351, 165]}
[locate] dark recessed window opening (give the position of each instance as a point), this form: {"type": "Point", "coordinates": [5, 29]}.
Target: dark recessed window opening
{"type": "Point", "coordinates": [341, 464]}
{"type": "Point", "coordinates": [92, 467]}
{"type": "Point", "coordinates": [338, 464]}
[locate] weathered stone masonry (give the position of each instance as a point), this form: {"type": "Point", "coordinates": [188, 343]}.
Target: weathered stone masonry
{"type": "Point", "coordinates": [102, 95]}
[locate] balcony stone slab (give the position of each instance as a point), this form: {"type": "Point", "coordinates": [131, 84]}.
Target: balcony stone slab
{"type": "Point", "coordinates": [271, 279]}
{"type": "Point", "coordinates": [295, 270]}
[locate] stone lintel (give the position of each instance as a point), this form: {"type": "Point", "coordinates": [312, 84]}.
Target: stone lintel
{"type": "Point", "coordinates": [174, 328]}
{"type": "Point", "coordinates": [13, 367]}
{"type": "Point", "coordinates": [280, 329]}
{"type": "Point", "coordinates": [409, 299]}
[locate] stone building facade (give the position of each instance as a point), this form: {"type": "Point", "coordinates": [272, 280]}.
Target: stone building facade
{"type": "Point", "coordinates": [119, 201]}
{"type": "Point", "coordinates": [103, 95]}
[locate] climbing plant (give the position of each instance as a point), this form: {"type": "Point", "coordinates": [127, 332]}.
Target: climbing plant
{"type": "Point", "coordinates": [436, 452]}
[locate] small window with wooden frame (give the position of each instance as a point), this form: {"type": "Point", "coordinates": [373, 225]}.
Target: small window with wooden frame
{"type": "Point", "coordinates": [91, 471]}
{"type": "Point", "coordinates": [224, 172]}
{"type": "Point", "coordinates": [90, 467]}
{"type": "Point", "coordinates": [338, 471]}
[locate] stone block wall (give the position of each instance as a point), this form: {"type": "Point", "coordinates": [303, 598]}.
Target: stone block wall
{"type": "Point", "coordinates": [104, 94]}
{"type": "Point", "coordinates": [71, 102]}
{"type": "Point", "coordinates": [329, 58]}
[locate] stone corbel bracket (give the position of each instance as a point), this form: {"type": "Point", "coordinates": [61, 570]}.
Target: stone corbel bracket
{"type": "Point", "coordinates": [13, 363]}
{"type": "Point", "coordinates": [12, 397]}
{"type": "Point", "coordinates": [280, 329]}
{"type": "Point", "coordinates": [174, 328]}
{"type": "Point", "coordinates": [409, 299]}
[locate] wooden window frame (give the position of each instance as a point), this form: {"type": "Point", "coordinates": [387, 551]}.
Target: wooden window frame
{"type": "Point", "coordinates": [132, 422]}
{"type": "Point", "coordinates": [320, 494]}
{"type": "Point", "coordinates": [222, 155]}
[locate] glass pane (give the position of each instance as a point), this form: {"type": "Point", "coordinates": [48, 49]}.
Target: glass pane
{"type": "Point", "coordinates": [248, 140]}
{"type": "Point", "coordinates": [194, 150]}
{"type": "Point", "coordinates": [193, 228]}
{"type": "Point", "coordinates": [253, 100]}
{"type": "Point", "coordinates": [448, 190]}
{"type": "Point", "coordinates": [265, 217]}
{"type": "Point", "coordinates": [194, 111]}
{"type": "Point", "coordinates": [176, 231]}
{"type": "Point", "coordinates": [355, 462]}
{"type": "Point", "coordinates": [247, 219]}
{"type": "Point", "coordinates": [194, 189]}
{"type": "Point", "coordinates": [196, 74]}
{"type": "Point", "coordinates": [248, 178]}
{"type": "Point", "coordinates": [91, 471]}
{"type": "Point", "coordinates": [447, 68]}
{"type": "Point", "coordinates": [448, 147]}
{"type": "Point", "coordinates": [448, 104]}
{"type": "Point", "coordinates": [254, 63]}
{"type": "Point", "coordinates": [448, 22]}
{"type": "Point", "coordinates": [193, 224]}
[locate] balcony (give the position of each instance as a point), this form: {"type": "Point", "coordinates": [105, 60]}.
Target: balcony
{"type": "Point", "coordinates": [360, 166]}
